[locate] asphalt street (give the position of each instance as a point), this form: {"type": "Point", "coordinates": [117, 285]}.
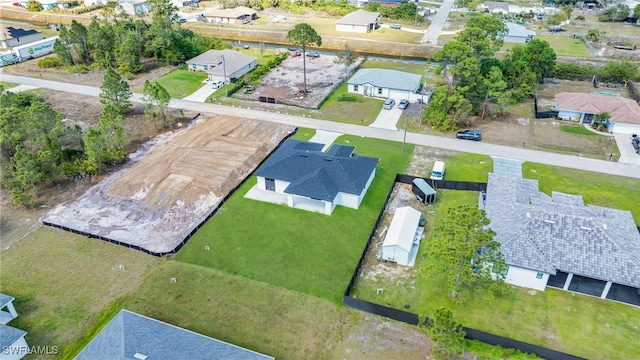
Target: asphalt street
{"type": "Point", "coordinates": [568, 161]}
{"type": "Point", "coordinates": [437, 23]}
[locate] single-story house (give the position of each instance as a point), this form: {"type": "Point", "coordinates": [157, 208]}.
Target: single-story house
{"type": "Point", "coordinates": [7, 310]}
{"type": "Point", "coordinates": [518, 34]}
{"type": "Point", "coordinates": [133, 336]}
{"type": "Point", "coordinates": [311, 179]}
{"type": "Point", "coordinates": [184, 3]}
{"type": "Point", "coordinates": [226, 65]}
{"type": "Point", "coordinates": [359, 21]}
{"type": "Point", "coordinates": [135, 7]}
{"type": "Point", "coordinates": [384, 83]}
{"type": "Point", "coordinates": [14, 36]}
{"type": "Point", "coordinates": [94, 2]}
{"type": "Point", "coordinates": [558, 241]}
{"type": "Point", "coordinates": [13, 346]}
{"type": "Point", "coordinates": [237, 15]}
{"type": "Point", "coordinates": [402, 239]}
{"type": "Point", "coordinates": [49, 4]}
{"type": "Point", "coordinates": [625, 113]}
{"type": "Point", "coordinates": [496, 7]}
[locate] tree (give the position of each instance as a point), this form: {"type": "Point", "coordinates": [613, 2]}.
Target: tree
{"type": "Point", "coordinates": [593, 35]}
{"type": "Point", "coordinates": [304, 35]}
{"type": "Point", "coordinates": [156, 99]}
{"type": "Point", "coordinates": [568, 10]}
{"type": "Point", "coordinates": [63, 47]}
{"type": "Point", "coordinates": [446, 333]}
{"type": "Point", "coordinates": [483, 34]}
{"type": "Point", "coordinates": [79, 37]}
{"type": "Point", "coordinates": [34, 6]}
{"type": "Point", "coordinates": [102, 39]}
{"type": "Point", "coordinates": [557, 18]}
{"type": "Point", "coordinates": [345, 57]}
{"type": "Point", "coordinates": [540, 57]}
{"type": "Point", "coordinates": [619, 12]}
{"type": "Point", "coordinates": [115, 91]}
{"type": "Point", "coordinates": [619, 72]}
{"type": "Point", "coordinates": [495, 86]}
{"type": "Point", "coordinates": [462, 248]}
{"type": "Point", "coordinates": [128, 55]}
{"type": "Point", "coordinates": [636, 12]}
{"type": "Point", "coordinates": [447, 110]}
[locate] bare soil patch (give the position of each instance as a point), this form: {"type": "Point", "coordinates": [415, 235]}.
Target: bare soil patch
{"type": "Point", "coordinates": [172, 183]}
{"type": "Point", "coordinates": [285, 83]}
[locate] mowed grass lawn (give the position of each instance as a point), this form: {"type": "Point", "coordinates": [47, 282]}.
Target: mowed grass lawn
{"type": "Point", "coordinates": [362, 110]}
{"type": "Point", "coordinates": [181, 83]}
{"type": "Point", "coordinates": [295, 249]}
{"type": "Point", "coordinates": [566, 45]}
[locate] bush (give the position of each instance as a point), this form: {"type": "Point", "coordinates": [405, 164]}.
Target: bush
{"type": "Point", "coordinates": [50, 62]}
{"type": "Point", "coordinates": [579, 17]}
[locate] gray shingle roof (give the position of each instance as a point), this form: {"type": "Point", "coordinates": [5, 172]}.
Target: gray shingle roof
{"type": "Point", "coordinates": [384, 78]}
{"type": "Point", "coordinates": [518, 30]}
{"type": "Point", "coordinates": [315, 174]}
{"type": "Point", "coordinates": [546, 234]}
{"type": "Point", "coordinates": [5, 299]}
{"type": "Point", "coordinates": [9, 335]}
{"type": "Point", "coordinates": [359, 17]}
{"type": "Point", "coordinates": [129, 333]}
{"type": "Point", "coordinates": [233, 61]}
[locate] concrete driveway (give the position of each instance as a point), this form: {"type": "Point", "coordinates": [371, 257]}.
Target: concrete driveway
{"type": "Point", "coordinates": [201, 94]}
{"type": "Point", "coordinates": [387, 119]}
{"type": "Point", "coordinates": [627, 152]}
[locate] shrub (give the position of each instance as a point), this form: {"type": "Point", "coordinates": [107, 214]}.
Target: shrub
{"type": "Point", "coordinates": [50, 62]}
{"type": "Point", "coordinates": [579, 17]}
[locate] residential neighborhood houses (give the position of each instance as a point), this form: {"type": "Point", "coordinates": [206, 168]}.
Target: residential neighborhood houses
{"type": "Point", "coordinates": [247, 252]}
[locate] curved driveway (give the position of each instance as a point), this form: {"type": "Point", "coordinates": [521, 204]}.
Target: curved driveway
{"type": "Point", "coordinates": [568, 161]}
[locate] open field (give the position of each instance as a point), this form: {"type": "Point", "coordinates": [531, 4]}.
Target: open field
{"type": "Point", "coordinates": [276, 244]}
{"type": "Point", "coordinates": [172, 184]}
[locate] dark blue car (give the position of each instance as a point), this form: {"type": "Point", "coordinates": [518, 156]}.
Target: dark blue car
{"type": "Point", "coordinates": [469, 135]}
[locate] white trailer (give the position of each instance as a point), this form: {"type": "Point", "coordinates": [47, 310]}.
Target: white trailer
{"type": "Point", "coordinates": [35, 49]}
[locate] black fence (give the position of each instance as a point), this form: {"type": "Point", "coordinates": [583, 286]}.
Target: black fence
{"type": "Point", "coordinates": [414, 319]}
{"type": "Point", "coordinates": [188, 237]}
{"type": "Point", "coordinates": [542, 114]}
{"type": "Point", "coordinates": [267, 99]}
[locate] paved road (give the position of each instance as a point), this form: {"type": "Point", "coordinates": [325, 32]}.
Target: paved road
{"type": "Point", "coordinates": [437, 23]}
{"type": "Point", "coordinates": [568, 161]}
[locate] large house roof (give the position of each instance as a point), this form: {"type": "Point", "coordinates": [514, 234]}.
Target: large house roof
{"type": "Point", "coordinates": [9, 335]}
{"type": "Point", "coordinates": [5, 299]}
{"type": "Point", "coordinates": [10, 32]}
{"type": "Point", "coordinates": [128, 334]}
{"type": "Point", "coordinates": [316, 174]}
{"type": "Point", "coordinates": [233, 61]}
{"type": "Point", "coordinates": [403, 228]}
{"type": "Point", "coordinates": [622, 110]}
{"type": "Point", "coordinates": [384, 78]}
{"type": "Point", "coordinates": [359, 17]}
{"type": "Point", "coordinates": [516, 30]}
{"type": "Point", "coordinates": [559, 233]}
{"type": "Point", "coordinates": [233, 13]}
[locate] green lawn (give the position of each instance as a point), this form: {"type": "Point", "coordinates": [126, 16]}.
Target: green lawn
{"type": "Point", "coordinates": [362, 110]}
{"type": "Point", "coordinates": [324, 26]}
{"type": "Point", "coordinates": [181, 83]}
{"type": "Point", "coordinates": [7, 85]}
{"type": "Point", "coordinates": [295, 249]}
{"type": "Point", "coordinates": [566, 45]}
{"type": "Point", "coordinates": [467, 167]}
{"type": "Point", "coordinates": [577, 129]}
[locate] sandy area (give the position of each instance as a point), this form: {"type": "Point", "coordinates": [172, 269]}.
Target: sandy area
{"type": "Point", "coordinates": [172, 183]}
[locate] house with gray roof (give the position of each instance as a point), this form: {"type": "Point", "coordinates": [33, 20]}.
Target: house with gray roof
{"type": "Point", "coordinates": [517, 34]}
{"type": "Point", "coordinates": [385, 83]}
{"type": "Point", "coordinates": [310, 179]}
{"type": "Point", "coordinates": [15, 36]}
{"type": "Point", "coordinates": [224, 65]}
{"type": "Point", "coordinates": [13, 346]}
{"type": "Point", "coordinates": [359, 21]}
{"type": "Point", "coordinates": [131, 336]}
{"type": "Point", "coordinates": [559, 241]}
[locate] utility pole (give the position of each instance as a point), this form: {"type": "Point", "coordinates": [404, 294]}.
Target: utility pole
{"type": "Point", "coordinates": [404, 140]}
{"type": "Point", "coordinates": [224, 70]}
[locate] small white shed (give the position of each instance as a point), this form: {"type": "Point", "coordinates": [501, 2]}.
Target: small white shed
{"type": "Point", "coordinates": [399, 240]}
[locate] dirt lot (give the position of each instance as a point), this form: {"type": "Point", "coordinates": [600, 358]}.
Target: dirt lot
{"type": "Point", "coordinates": [172, 183]}
{"type": "Point", "coordinates": [286, 83]}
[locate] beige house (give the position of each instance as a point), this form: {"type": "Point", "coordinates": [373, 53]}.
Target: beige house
{"type": "Point", "coordinates": [581, 107]}
{"type": "Point", "coordinates": [359, 21]}
{"type": "Point", "coordinates": [238, 15]}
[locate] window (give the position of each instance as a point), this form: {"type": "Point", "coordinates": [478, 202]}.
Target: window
{"type": "Point", "coordinates": [355, 88]}
{"type": "Point", "coordinates": [206, 67]}
{"type": "Point", "coordinates": [194, 66]}
{"type": "Point", "coordinates": [379, 91]}
{"type": "Point", "coordinates": [270, 184]}
{"type": "Point", "coordinates": [539, 275]}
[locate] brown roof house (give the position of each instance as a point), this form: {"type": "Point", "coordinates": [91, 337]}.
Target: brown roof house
{"type": "Point", "coordinates": [238, 15]}
{"type": "Point", "coordinates": [14, 36]}
{"type": "Point", "coordinates": [625, 113]}
{"type": "Point", "coordinates": [359, 21]}
{"type": "Point", "coordinates": [226, 65]}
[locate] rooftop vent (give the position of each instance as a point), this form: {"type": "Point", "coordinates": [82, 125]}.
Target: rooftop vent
{"type": "Point", "coordinates": [550, 221]}
{"type": "Point", "coordinates": [304, 155]}
{"type": "Point", "coordinates": [585, 228]}
{"type": "Point", "coordinates": [528, 214]}
{"type": "Point", "coordinates": [328, 159]}
{"type": "Point", "coordinates": [140, 356]}
{"type": "Point", "coordinates": [604, 226]}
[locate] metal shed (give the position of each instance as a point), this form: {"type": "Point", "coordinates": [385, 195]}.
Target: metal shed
{"type": "Point", "coordinates": [423, 192]}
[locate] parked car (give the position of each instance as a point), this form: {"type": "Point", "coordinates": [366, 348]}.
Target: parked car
{"type": "Point", "coordinates": [635, 141]}
{"type": "Point", "coordinates": [313, 54]}
{"type": "Point", "coordinates": [403, 104]}
{"type": "Point", "coordinates": [296, 54]}
{"type": "Point", "coordinates": [388, 104]}
{"type": "Point", "coordinates": [182, 20]}
{"type": "Point", "coordinates": [217, 84]}
{"type": "Point", "coordinates": [396, 26]}
{"type": "Point", "coordinates": [469, 135]}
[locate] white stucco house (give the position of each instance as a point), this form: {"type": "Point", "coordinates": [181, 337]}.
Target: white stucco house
{"type": "Point", "coordinates": [13, 346]}
{"type": "Point", "coordinates": [313, 180]}
{"type": "Point", "coordinates": [237, 15]}
{"type": "Point", "coordinates": [133, 336]}
{"type": "Point", "coordinates": [226, 65]}
{"type": "Point", "coordinates": [384, 83]}
{"type": "Point", "coordinates": [135, 7]}
{"type": "Point", "coordinates": [560, 242]}
{"type": "Point", "coordinates": [625, 113]}
{"type": "Point", "coordinates": [359, 21]}
{"type": "Point", "coordinates": [16, 36]}
{"type": "Point", "coordinates": [402, 240]}
{"type": "Point", "coordinates": [518, 34]}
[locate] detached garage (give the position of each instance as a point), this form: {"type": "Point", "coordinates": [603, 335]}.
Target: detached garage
{"type": "Point", "coordinates": [403, 237]}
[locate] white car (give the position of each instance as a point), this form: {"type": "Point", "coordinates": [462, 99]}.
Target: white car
{"type": "Point", "coordinates": [217, 84]}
